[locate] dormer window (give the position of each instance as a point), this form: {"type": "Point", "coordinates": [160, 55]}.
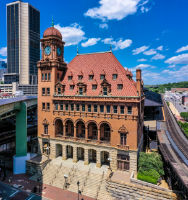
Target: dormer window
{"type": "Point", "coordinates": [71, 87]}
{"type": "Point", "coordinates": [59, 90]}
{"type": "Point", "coordinates": [80, 91]}
{"type": "Point", "coordinates": [91, 77]}
{"type": "Point", "coordinates": [94, 87]}
{"type": "Point", "coordinates": [69, 78]}
{"type": "Point", "coordinates": [120, 86]}
{"type": "Point", "coordinates": [80, 77]}
{"type": "Point", "coordinates": [102, 77]}
{"type": "Point", "coordinates": [105, 91]}
{"type": "Point", "coordinates": [114, 76]}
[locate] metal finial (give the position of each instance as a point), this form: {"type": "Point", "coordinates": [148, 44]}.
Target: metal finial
{"type": "Point", "coordinates": [52, 21]}
{"type": "Point", "coordinates": [110, 48]}
{"type": "Point", "coordinates": [77, 50]}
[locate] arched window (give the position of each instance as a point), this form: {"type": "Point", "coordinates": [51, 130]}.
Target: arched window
{"type": "Point", "coordinates": [80, 129]}
{"type": "Point", "coordinates": [58, 127]}
{"type": "Point", "coordinates": [69, 126]}
{"type": "Point", "coordinates": [92, 131]}
{"type": "Point", "coordinates": [105, 132]}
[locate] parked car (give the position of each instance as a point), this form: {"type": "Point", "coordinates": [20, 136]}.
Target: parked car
{"type": "Point", "coordinates": [19, 93]}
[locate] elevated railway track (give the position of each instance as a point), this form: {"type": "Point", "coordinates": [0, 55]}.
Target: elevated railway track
{"type": "Point", "coordinates": [173, 146]}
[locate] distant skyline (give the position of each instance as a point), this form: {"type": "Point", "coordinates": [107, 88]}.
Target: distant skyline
{"type": "Point", "coordinates": [146, 34]}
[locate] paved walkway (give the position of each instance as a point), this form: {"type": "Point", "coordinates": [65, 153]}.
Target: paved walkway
{"type": "Point", "coordinates": [49, 192]}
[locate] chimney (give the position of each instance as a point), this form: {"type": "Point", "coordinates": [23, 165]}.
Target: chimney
{"type": "Point", "coordinates": [138, 81]}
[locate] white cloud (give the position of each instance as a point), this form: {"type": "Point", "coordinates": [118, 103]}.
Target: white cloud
{"type": "Point", "coordinates": [72, 34]}
{"type": "Point", "coordinates": [3, 51]}
{"type": "Point", "coordinates": [3, 59]}
{"type": "Point", "coordinates": [185, 48]}
{"type": "Point", "coordinates": [180, 59]}
{"type": "Point", "coordinates": [142, 60]}
{"type": "Point", "coordinates": [115, 9]}
{"type": "Point", "coordinates": [165, 71]}
{"type": "Point", "coordinates": [143, 66]}
{"type": "Point", "coordinates": [139, 50]}
{"type": "Point", "coordinates": [159, 48]}
{"type": "Point", "coordinates": [90, 42]}
{"type": "Point", "coordinates": [150, 52]}
{"type": "Point", "coordinates": [176, 75]}
{"type": "Point", "coordinates": [158, 56]}
{"type": "Point", "coordinates": [120, 44]}
{"type": "Point", "coordinates": [103, 26]}
{"type": "Point", "coordinates": [172, 66]}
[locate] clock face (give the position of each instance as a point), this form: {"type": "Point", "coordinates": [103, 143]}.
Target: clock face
{"type": "Point", "coordinates": [47, 50]}
{"type": "Point", "coordinates": [58, 51]}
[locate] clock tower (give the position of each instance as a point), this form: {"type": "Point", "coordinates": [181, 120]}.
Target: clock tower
{"type": "Point", "coordinates": [51, 69]}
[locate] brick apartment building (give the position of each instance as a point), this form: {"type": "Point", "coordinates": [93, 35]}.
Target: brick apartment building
{"type": "Point", "coordinates": [90, 109]}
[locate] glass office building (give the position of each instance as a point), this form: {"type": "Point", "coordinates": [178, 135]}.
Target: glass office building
{"type": "Point", "coordinates": [23, 43]}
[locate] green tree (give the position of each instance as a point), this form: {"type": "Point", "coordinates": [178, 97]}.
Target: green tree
{"type": "Point", "coordinates": [184, 115]}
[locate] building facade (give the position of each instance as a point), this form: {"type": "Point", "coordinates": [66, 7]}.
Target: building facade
{"type": "Point", "coordinates": [23, 43]}
{"type": "Point", "coordinates": [90, 109]}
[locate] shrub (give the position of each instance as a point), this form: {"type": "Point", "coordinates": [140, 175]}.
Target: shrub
{"type": "Point", "coordinates": [184, 115]}
{"type": "Point", "coordinates": [150, 161]}
{"type": "Point", "coordinates": [184, 126]}
{"type": "Point", "coordinates": [147, 178]}
{"type": "Point", "coordinates": [150, 167]}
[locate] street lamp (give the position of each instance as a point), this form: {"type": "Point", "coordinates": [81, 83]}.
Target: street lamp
{"type": "Point", "coordinates": [79, 192]}
{"type": "Point", "coordinates": [66, 177]}
{"type": "Point", "coordinates": [110, 159]}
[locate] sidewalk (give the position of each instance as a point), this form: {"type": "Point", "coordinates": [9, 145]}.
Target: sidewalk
{"type": "Point", "coordinates": [49, 192]}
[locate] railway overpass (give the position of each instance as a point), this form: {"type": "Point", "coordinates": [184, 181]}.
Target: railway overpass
{"type": "Point", "coordinates": [18, 107]}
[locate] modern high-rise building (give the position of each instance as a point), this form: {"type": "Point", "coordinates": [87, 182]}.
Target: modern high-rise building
{"type": "Point", "coordinates": [23, 43]}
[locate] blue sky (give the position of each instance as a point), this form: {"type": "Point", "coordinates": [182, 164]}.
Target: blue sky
{"type": "Point", "coordinates": [147, 34]}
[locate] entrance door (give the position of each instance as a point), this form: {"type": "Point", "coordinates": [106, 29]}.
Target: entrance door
{"type": "Point", "coordinates": [69, 151]}
{"type": "Point", "coordinates": [80, 153]}
{"type": "Point", "coordinates": [92, 155]}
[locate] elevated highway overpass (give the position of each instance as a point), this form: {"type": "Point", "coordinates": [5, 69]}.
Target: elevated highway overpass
{"type": "Point", "coordinates": [18, 107]}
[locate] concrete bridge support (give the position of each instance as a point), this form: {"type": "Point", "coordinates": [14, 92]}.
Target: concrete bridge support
{"type": "Point", "coordinates": [19, 160]}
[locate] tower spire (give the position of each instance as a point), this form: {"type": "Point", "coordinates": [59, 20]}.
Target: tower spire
{"type": "Point", "coordinates": [77, 50]}
{"type": "Point", "coordinates": [52, 21]}
{"type": "Point", "coordinates": [110, 47]}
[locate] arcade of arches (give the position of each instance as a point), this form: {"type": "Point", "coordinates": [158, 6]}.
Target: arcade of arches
{"type": "Point", "coordinates": [79, 153]}
{"type": "Point", "coordinates": [89, 154]}
{"type": "Point", "coordinates": [82, 131]}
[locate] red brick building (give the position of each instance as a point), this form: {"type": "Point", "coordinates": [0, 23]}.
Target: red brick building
{"type": "Point", "coordinates": [90, 109]}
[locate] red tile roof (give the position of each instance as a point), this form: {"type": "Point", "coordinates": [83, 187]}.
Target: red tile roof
{"type": "Point", "coordinates": [99, 63]}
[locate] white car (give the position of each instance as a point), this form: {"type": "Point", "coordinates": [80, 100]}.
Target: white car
{"type": "Point", "coordinates": [19, 93]}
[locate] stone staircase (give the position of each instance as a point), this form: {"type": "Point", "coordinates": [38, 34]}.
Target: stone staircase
{"type": "Point", "coordinates": [103, 193]}
{"type": "Point", "coordinates": [92, 179]}
{"type": "Point", "coordinates": [49, 174]}
{"type": "Point", "coordinates": [92, 185]}
{"type": "Point", "coordinates": [78, 176]}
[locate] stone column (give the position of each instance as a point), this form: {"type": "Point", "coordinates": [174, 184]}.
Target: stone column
{"type": "Point", "coordinates": [40, 151]}
{"type": "Point", "coordinates": [75, 158]}
{"type": "Point", "coordinates": [64, 152]}
{"type": "Point", "coordinates": [98, 159]}
{"type": "Point", "coordinates": [86, 157]}
{"type": "Point", "coordinates": [64, 130]}
{"type": "Point", "coordinates": [52, 150]}
{"type": "Point", "coordinates": [98, 135]}
{"type": "Point", "coordinates": [86, 133]}
{"type": "Point", "coordinates": [74, 131]}
{"type": "Point", "coordinates": [133, 161]}
{"type": "Point", "coordinates": [113, 162]}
